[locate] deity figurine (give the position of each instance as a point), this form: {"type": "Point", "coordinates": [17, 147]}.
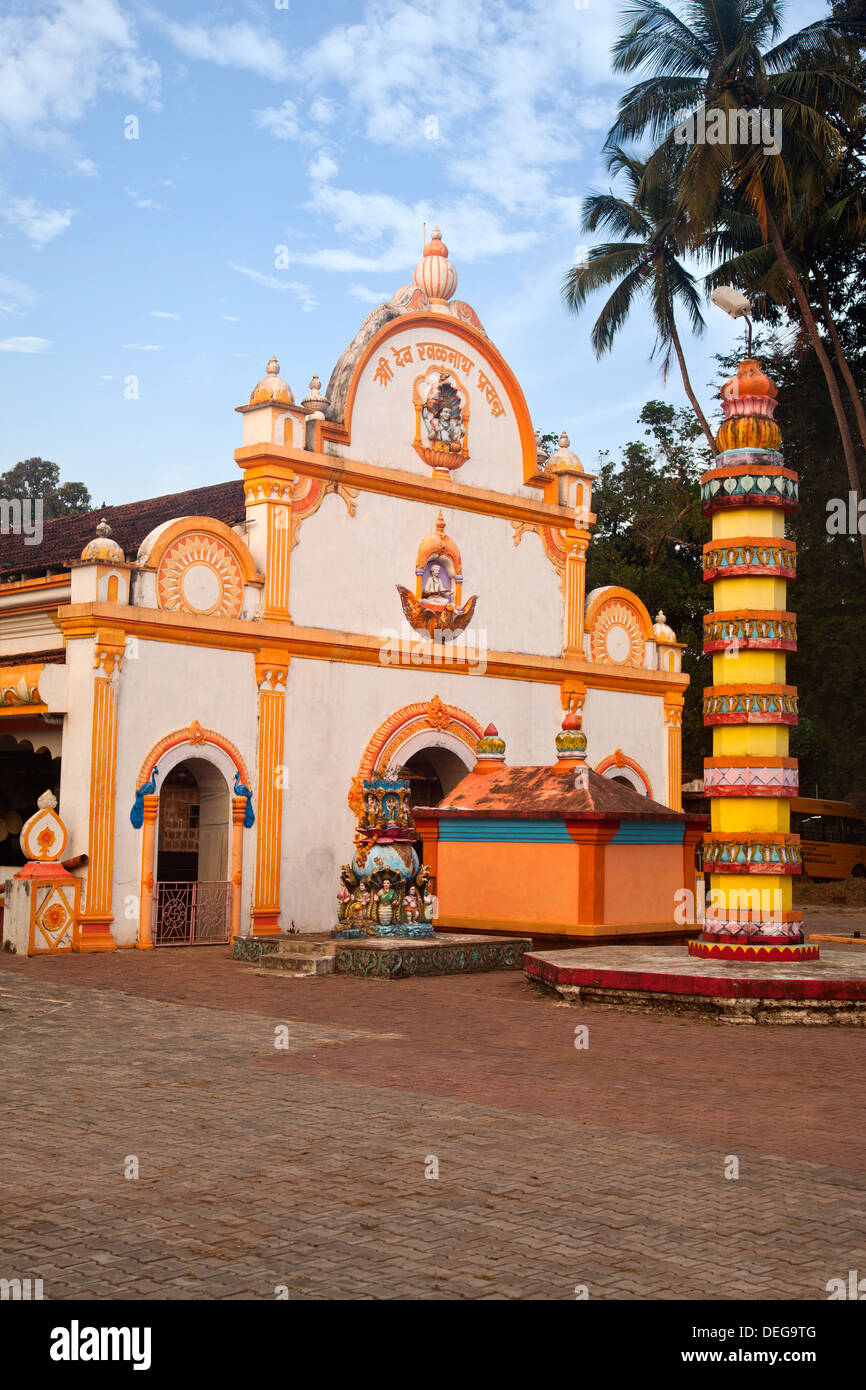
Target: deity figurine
{"type": "Point", "coordinates": [436, 587]}
{"type": "Point", "coordinates": [385, 900]}
{"type": "Point", "coordinates": [358, 910]}
{"type": "Point", "coordinates": [411, 907]}
{"type": "Point", "coordinates": [371, 814]}
{"type": "Point", "coordinates": [392, 810]}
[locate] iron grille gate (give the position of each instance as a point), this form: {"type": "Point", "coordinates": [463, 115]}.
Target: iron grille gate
{"type": "Point", "coordinates": [192, 914]}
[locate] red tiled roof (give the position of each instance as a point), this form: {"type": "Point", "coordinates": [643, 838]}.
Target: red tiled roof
{"type": "Point", "coordinates": [540, 792]}
{"type": "Point", "coordinates": [64, 538]}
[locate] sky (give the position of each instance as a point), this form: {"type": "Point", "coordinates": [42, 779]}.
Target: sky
{"type": "Point", "coordinates": [187, 189]}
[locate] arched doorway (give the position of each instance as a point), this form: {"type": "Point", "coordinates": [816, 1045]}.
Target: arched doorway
{"type": "Point", "coordinates": [432, 774]}
{"type": "Point", "coordinates": [192, 889]}
{"type": "Point", "coordinates": [27, 769]}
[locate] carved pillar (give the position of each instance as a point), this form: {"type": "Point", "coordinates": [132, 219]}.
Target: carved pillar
{"type": "Point", "coordinates": [271, 673]}
{"type": "Point", "coordinates": [239, 807]}
{"type": "Point", "coordinates": [268, 491]}
{"type": "Point", "coordinates": [150, 808]}
{"type": "Point", "coordinates": [575, 591]}
{"type": "Point", "coordinates": [674, 726]}
{"type": "Point", "coordinates": [95, 931]}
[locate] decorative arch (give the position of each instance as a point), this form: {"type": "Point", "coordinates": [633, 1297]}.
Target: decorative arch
{"type": "Point", "coordinates": [211, 527]}
{"type": "Point", "coordinates": [400, 727]}
{"type": "Point", "coordinates": [618, 760]}
{"type": "Point", "coordinates": [195, 735]}
{"type": "Point", "coordinates": [480, 343]}
{"type": "Point", "coordinates": [613, 607]}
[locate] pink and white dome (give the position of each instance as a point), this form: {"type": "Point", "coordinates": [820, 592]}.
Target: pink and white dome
{"type": "Point", "coordinates": [434, 273]}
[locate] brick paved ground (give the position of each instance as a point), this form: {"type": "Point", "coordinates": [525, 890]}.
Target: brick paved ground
{"type": "Point", "coordinates": [261, 1167]}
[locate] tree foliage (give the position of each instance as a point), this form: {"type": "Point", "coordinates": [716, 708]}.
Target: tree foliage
{"type": "Point", "coordinates": [36, 478]}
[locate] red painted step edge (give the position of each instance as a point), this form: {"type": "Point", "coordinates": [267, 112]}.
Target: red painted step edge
{"type": "Point", "coordinates": [727, 987]}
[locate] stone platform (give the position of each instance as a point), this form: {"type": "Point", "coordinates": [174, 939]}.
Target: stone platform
{"type": "Point", "coordinates": [384, 958]}
{"type": "Point", "coordinates": [669, 980]}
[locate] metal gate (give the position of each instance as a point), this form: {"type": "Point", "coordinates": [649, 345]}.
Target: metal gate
{"type": "Point", "coordinates": [192, 914]}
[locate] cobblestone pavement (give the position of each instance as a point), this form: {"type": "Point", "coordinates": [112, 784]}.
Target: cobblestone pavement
{"type": "Point", "coordinates": [262, 1167]}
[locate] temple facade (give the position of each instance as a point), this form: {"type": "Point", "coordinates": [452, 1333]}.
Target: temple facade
{"type": "Point", "coordinates": [205, 681]}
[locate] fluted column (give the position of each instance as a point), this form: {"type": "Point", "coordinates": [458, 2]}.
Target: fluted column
{"type": "Point", "coordinates": [271, 673]}
{"type": "Point", "coordinates": [575, 590]}
{"type": "Point", "coordinates": [749, 851]}
{"type": "Point", "coordinates": [95, 927]}
{"type": "Point", "coordinates": [673, 706]}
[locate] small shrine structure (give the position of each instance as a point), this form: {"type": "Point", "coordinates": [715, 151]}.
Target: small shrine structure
{"type": "Point", "coordinates": [560, 851]}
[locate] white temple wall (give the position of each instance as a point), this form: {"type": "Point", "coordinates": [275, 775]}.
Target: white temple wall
{"type": "Point", "coordinates": [332, 712]}
{"type": "Point", "coordinates": [635, 724]}
{"type": "Point", "coordinates": [165, 688]}
{"type": "Point", "coordinates": [345, 571]}
{"type": "Point", "coordinates": [383, 418]}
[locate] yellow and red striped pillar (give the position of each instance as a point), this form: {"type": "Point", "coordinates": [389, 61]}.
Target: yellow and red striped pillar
{"type": "Point", "coordinates": [749, 851]}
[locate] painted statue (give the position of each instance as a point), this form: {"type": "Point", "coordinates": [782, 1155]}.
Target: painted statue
{"type": "Point", "coordinates": [382, 891]}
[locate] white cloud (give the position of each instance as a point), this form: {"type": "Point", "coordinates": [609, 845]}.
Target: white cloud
{"type": "Point", "coordinates": [149, 204]}
{"type": "Point", "coordinates": [323, 167]}
{"type": "Point", "coordinates": [322, 111]}
{"type": "Point", "coordinates": [280, 121]}
{"type": "Point", "coordinates": [86, 168]}
{"type": "Point", "coordinates": [15, 296]}
{"type": "Point", "coordinates": [39, 224]}
{"type": "Point", "coordinates": [229, 318]}
{"type": "Point", "coordinates": [273, 282]}
{"type": "Point", "coordinates": [53, 66]}
{"type": "Point", "coordinates": [162, 314]}
{"type": "Point", "coordinates": [25, 345]}
{"type": "Point", "coordinates": [141, 347]}
{"type": "Point", "coordinates": [369, 296]}
{"type": "Point", "coordinates": [231, 46]}
{"type": "Point", "coordinates": [500, 130]}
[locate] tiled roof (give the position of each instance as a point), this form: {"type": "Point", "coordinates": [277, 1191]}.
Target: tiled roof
{"type": "Point", "coordinates": [64, 538]}
{"type": "Point", "coordinates": [538, 792]}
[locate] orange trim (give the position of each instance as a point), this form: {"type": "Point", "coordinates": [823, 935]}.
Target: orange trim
{"type": "Point", "coordinates": [193, 734]}
{"type": "Point", "coordinates": [619, 759]}
{"type": "Point", "coordinates": [742, 760]}
{"type": "Point", "coordinates": [211, 527]}
{"type": "Point", "coordinates": [267, 462]}
{"type": "Point", "coordinates": [444, 323]}
{"type": "Point", "coordinates": [734, 469]}
{"type": "Point", "coordinates": [323, 644]}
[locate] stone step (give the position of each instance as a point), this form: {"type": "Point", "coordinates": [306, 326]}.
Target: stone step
{"type": "Point", "coordinates": [304, 946]}
{"type": "Point", "coordinates": [296, 963]}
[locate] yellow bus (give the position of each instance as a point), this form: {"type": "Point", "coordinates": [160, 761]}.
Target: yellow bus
{"type": "Point", "coordinates": [832, 838]}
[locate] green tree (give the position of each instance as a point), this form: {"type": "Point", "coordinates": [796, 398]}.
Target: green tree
{"type": "Point", "coordinates": [723, 57]}
{"type": "Point", "coordinates": [649, 536]}
{"type": "Point", "coordinates": [646, 263]}
{"type": "Point", "coordinates": [36, 478]}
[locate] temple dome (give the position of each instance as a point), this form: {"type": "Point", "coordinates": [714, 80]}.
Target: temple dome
{"type": "Point", "coordinates": [661, 631]}
{"type": "Point", "coordinates": [434, 273]}
{"type": "Point", "coordinates": [563, 459]}
{"type": "Point", "coordinates": [103, 548]}
{"type": "Point", "coordinates": [272, 387]}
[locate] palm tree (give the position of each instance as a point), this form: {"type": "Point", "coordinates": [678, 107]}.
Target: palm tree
{"type": "Point", "coordinates": [647, 263]}
{"type": "Point", "coordinates": [725, 57]}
